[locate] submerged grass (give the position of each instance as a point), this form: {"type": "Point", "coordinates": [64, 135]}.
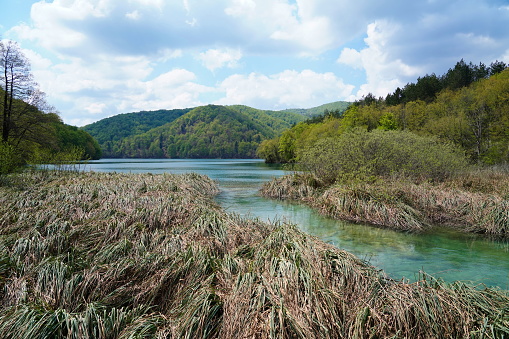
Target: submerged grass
{"type": "Point", "coordinates": [476, 201]}
{"type": "Point", "coordinates": [94, 255]}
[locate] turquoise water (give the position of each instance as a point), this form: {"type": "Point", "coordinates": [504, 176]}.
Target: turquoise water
{"type": "Point", "coordinates": [442, 253]}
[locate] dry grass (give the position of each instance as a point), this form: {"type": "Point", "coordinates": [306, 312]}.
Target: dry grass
{"type": "Point", "coordinates": [477, 201]}
{"type": "Point", "coordinates": [151, 256]}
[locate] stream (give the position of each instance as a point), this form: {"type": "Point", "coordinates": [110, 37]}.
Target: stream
{"type": "Point", "coordinates": [442, 253]}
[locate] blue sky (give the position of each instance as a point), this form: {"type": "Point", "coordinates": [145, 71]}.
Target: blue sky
{"type": "Point", "coordinates": [98, 58]}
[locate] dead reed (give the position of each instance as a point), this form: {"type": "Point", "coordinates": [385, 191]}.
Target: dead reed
{"type": "Point", "coordinates": [476, 201]}
{"type": "Point", "coordinates": [89, 255]}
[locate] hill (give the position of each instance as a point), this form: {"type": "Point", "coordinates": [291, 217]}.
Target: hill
{"type": "Point", "coordinates": [203, 132]}
{"type": "Point", "coordinates": [314, 111]}
{"type": "Point", "coordinates": [34, 133]}
{"type": "Point", "coordinates": [108, 132]}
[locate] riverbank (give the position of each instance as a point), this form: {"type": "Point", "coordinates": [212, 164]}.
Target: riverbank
{"type": "Point", "coordinates": [125, 255]}
{"type": "Point", "coordinates": [475, 202]}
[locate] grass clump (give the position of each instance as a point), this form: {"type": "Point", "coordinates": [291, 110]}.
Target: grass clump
{"type": "Point", "coordinates": [88, 255]}
{"type": "Point", "coordinates": [471, 201]}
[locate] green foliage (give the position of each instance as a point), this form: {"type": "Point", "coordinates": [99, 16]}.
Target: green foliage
{"type": "Point", "coordinates": [363, 155]}
{"type": "Point", "coordinates": [474, 117]}
{"type": "Point", "coordinates": [207, 132]}
{"type": "Point", "coordinates": [110, 132]}
{"type": "Point", "coordinates": [34, 132]}
{"type": "Point", "coordinates": [229, 132]}
{"type": "Point", "coordinates": [427, 87]}
{"type": "Point", "coordinates": [339, 106]}
{"type": "Point", "coordinates": [277, 121]}
{"type": "Point", "coordinates": [69, 137]}
{"type": "Point", "coordinates": [269, 150]}
{"type": "Point", "coordinates": [10, 159]}
{"type": "Point", "coordinates": [302, 134]}
{"type": "Point", "coordinates": [388, 121]}
{"type": "Point", "coordinates": [66, 160]}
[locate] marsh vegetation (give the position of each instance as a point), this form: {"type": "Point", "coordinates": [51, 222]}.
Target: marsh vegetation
{"type": "Point", "coordinates": [473, 201]}
{"type": "Point", "coordinates": [88, 255]}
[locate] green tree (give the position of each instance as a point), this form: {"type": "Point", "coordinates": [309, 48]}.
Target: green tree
{"type": "Point", "coordinates": [269, 150]}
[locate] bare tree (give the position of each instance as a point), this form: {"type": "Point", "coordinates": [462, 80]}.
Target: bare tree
{"type": "Point", "coordinates": [16, 80]}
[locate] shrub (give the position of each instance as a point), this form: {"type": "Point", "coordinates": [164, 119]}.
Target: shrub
{"type": "Point", "coordinates": [10, 159]}
{"type": "Point", "coordinates": [363, 155]}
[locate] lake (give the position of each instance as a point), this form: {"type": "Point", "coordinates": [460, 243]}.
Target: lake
{"type": "Point", "coordinates": [442, 253]}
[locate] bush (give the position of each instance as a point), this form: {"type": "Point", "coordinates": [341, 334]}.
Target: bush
{"type": "Point", "coordinates": [363, 155]}
{"type": "Point", "coordinates": [10, 160]}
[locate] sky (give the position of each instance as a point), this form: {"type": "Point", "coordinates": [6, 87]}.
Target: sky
{"type": "Point", "coordinates": [98, 58]}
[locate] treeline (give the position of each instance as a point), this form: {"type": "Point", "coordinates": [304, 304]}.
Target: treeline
{"type": "Point", "coordinates": [427, 87]}
{"type": "Point", "coordinates": [406, 166]}
{"type": "Point", "coordinates": [31, 130]}
{"type": "Point", "coordinates": [467, 107]}
{"type": "Point", "coordinates": [147, 133]}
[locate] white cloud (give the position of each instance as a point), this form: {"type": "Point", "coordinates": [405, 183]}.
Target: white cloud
{"type": "Point", "coordinates": [481, 41]}
{"type": "Point", "coordinates": [351, 57]}
{"type": "Point", "coordinates": [96, 108]}
{"type": "Point", "coordinates": [37, 61]}
{"type": "Point", "coordinates": [384, 73]}
{"type": "Point", "coordinates": [286, 89]}
{"type": "Point", "coordinates": [505, 56]}
{"type": "Point", "coordinates": [239, 8]}
{"type": "Point", "coordinates": [218, 58]}
{"type": "Point", "coordinates": [114, 85]}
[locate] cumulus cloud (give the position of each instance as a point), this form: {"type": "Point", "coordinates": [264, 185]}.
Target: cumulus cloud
{"type": "Point", "coordinates": [89, 91]}
{"type": "Point", "coordinates": [217, 58]}
{"type": "Point", "coordinates": [81, 26]}
{"type": "Point", "coordinates": [383, 72]}
{"type": "Point", "coordinates": [282, 90]}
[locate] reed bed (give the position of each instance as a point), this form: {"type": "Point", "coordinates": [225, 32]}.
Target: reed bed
{"type": "Point", "coordinates": [472, 202]}
{"type": "Point", "coordinates": [89, 255]}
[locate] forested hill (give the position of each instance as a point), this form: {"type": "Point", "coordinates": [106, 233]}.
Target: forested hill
{"type": "Point", "coordinates": [110, 130]}
{"type": "Point", "coordinates": [340, 106]}
{"type": "Point", "coordinates": [203, 132]}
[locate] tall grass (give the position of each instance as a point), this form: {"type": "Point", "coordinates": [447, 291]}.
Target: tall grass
{"type": "Point", "coordinates": [93, 255]}
{"type": "Point", "coordinates": [475, 201]}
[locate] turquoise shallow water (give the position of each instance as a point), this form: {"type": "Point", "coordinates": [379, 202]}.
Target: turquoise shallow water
{"type": "Point", "coordinates": [442, 253]}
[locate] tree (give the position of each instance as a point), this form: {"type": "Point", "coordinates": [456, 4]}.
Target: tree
{"type": "Point", "coordinates": [460, 76]}
{"type": "Point", "coordinates": [497, 67]}
{"type": "Point", "coordinates": [16, 81]}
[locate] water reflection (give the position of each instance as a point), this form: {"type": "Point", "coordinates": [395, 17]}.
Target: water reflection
{"type": "Point", "coordinates": [443, 253]}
